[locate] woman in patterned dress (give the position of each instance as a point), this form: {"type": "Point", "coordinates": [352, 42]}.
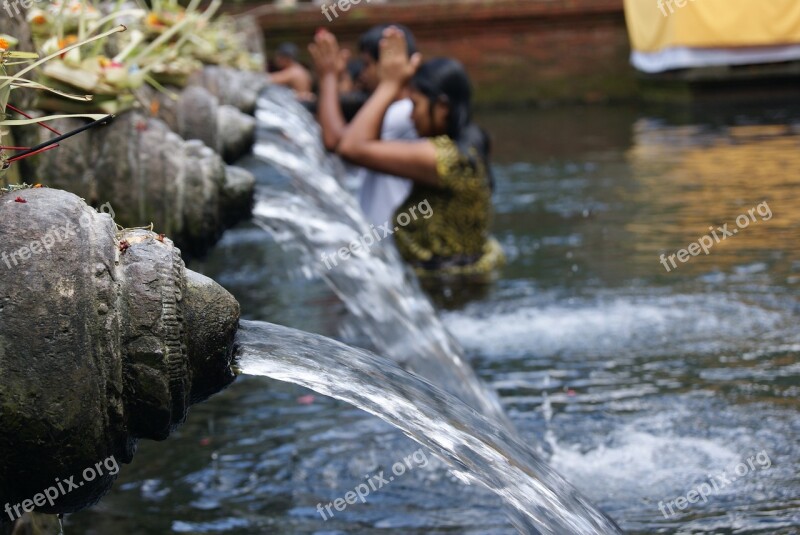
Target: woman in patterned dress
{"type": "Point", "coordinates": [449, 165]}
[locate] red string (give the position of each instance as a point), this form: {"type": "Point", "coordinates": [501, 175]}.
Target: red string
{"type": "Point", "coordinates": [43, 125]}
{"type": "Point", "coordinates": [17, 158]}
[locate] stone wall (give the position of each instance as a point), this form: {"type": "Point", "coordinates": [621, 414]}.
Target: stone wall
{"type": "Point", "coordinates": [515, 50]}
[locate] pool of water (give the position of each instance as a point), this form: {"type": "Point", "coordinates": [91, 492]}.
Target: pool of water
{"type": "Point", "coordinates": [648, 387]}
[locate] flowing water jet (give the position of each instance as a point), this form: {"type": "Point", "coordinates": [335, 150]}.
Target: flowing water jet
{"type": "Point", "coordinates": [385, 301]}
{"type": "Point", "coordinates": [538, 499]}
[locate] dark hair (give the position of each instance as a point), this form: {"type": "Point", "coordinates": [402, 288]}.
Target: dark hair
{"type": "Point", "coordinates": [370, 42]}
{"type": "Point", "coordinates": [288, 50]}
{"type": "Point", "coordinates": [445, 79]}
{"type": "Point", "coordinates": [354, 68]}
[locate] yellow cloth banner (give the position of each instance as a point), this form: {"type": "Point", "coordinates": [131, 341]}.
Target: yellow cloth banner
{"type": "Point", "coordinates": [654, 25]}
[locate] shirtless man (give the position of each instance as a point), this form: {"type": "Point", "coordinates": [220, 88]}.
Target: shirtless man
{"type": "Point", "coordinates": [290, 72]}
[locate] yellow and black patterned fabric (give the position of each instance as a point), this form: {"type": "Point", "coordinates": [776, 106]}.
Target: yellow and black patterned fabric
{"type": "Point", "coordinates": [456, 236]}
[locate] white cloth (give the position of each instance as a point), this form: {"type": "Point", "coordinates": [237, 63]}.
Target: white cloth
{"type": "Point", "coordinates": [382, 194]}
{"type": "Point", "coordinates": [687, 57]}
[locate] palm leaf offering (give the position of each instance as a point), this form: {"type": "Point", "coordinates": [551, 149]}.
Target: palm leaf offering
{"type": "Point", "coordinates": [165, 44]}
{"type": "Point", "coordinates": [24, 63]}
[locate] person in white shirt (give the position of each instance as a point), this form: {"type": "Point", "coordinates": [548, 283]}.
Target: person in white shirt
{"type": "Point", "coordinates": [381, 194]}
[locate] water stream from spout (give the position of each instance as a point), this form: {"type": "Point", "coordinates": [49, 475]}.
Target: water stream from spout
{"type": "Point", "coordinates": [388, 309]}
{"type": "Point", "coordinates": [319, 217]}
{"type": "Point", "coordinates": [478, 450]}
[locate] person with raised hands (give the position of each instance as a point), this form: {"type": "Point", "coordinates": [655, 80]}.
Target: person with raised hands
{"type": "Point", "coordinates": [380, 193]}
{"type": "Point", "coordinates": [449, 165]}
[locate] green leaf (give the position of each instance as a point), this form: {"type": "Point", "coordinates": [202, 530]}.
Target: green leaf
{"type": "Point", "coordinates": [20, 122]}
{"type": "Point", "coordinates": [21, 55]}
{"type": "Point", "coordinates": [29, 84]}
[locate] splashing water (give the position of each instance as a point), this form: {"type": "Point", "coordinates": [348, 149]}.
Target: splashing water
{"type": "Point", "coordinates": [538, 499]}
{"type": "Point", "coordinates": [320, 217]}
